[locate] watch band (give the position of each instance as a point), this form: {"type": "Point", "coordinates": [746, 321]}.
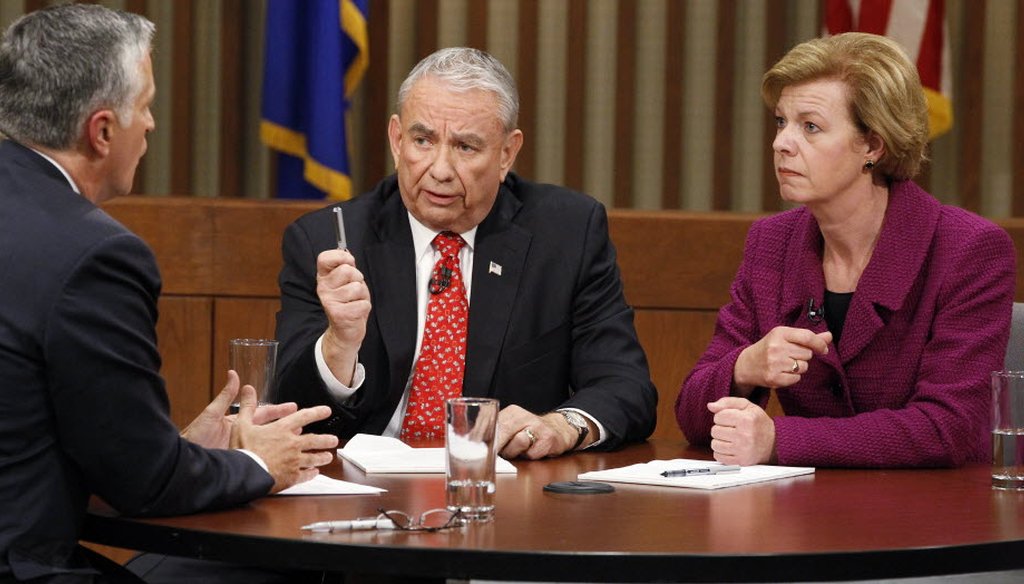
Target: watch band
{"type": "Point", "coordinates": [576, 421]}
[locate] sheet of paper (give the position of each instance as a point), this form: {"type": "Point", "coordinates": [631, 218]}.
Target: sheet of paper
{"type": "Point", "coordinates": [381, 454]}
{"type": "Point", "coordinates": [325, 485]}
{"type": "Point", "coordinates": [649, 473]}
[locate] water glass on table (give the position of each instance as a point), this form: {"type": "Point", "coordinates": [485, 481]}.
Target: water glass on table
{"type": "Point", "coordinates": [470, 456]}
{"type": "Point", "coordinates": [1008, 429]}
{"type": "Point", "coordinates": [255, 361]}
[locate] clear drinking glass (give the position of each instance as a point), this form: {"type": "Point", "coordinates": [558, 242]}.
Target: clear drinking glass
{"type": "Point", "coordinates": [255, 361]}
{"type": "Point", "coordinates": [470, 456]}
{"type": "Point", "coordinates": [1008, 429]}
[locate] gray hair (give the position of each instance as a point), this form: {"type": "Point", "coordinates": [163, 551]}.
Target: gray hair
{"type": "Point", "coordinates": [61, 64]}
{"type": "Point", "coordinates": [465, 69]}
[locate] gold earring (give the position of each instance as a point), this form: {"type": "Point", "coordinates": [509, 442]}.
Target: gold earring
{"type": "Point", "coordinates": [869, 164]}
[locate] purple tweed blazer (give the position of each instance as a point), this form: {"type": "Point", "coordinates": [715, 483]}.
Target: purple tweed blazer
{"type": "Point", "coordinates": [908, 386]}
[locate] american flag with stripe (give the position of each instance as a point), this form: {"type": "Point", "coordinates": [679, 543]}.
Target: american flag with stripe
{"type": "Point", "coordinates": [920, 27]}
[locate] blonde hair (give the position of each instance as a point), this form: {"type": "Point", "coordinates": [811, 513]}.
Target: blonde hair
{"type": "Point", "coordinates": [885, 95]}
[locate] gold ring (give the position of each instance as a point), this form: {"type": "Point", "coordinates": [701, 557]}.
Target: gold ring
{"type": "Point", "coordinates": [530, 436]}
{"type": "Point", "coordinates": [795, 367]}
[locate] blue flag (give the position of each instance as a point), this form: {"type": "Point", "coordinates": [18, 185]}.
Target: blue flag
{"type": "Point", "coordinates": [316, 53]}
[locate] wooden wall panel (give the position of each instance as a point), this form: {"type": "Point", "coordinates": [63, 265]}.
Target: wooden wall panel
{"type": "Point", "coordinates": [673, 341]}
{"type": "Point", "coordinates": [247, 241]}
{"type": "Point", "coordinates": [176, 228]}
{"type": "Point", "coordinates": [699, 254]}
{"type": "Point", "coordinates": [184, 336]}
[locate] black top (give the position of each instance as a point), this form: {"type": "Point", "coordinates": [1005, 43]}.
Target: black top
{"type": "Point", "coordinates": [836, 305]}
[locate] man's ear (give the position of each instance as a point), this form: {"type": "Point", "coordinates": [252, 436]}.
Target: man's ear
{"type": "Point", "coordinates": [395, 137]}
{"type": "Point", "coordinates": [509, 151]}
{"type": "Point", "coordinates": [99, 129]}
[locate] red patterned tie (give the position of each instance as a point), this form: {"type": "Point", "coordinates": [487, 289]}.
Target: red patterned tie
{"type": "Point", "coordinates": [442, 359]}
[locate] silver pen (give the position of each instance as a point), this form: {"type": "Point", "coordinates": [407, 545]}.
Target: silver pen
{"type": "Point", "coordinates": [363, 524]}
{"type": "Point", "coordinates": [339, 229]}
{"type": "Point", "coordinates": [687, 472]}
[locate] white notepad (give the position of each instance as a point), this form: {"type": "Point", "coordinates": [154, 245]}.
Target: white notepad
{"type": "Point", "coordinates": [381, 455]}
{"type": "Point", "coordinates": [649, 473]}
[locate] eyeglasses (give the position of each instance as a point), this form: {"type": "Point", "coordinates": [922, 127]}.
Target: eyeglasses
{"type": "Point", "coordinates": [430, 520]}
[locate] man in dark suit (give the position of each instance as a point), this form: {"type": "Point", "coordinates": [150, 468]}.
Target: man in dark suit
{"type": "Point", "coordinates": [549, 333]}
{"type": "Point", "coordinates": [83, 410]}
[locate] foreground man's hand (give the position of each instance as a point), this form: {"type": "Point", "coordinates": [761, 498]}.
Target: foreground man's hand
{"type": "Point", "coordinates": [212, 428]}
{"type": "Point", "coordinates": [291, 456]}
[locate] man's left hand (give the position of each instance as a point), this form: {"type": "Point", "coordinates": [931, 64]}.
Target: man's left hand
{"type": "Point", "coordinates": [212, 428]}
{"type": "Point", "coordinates": [524, 434]}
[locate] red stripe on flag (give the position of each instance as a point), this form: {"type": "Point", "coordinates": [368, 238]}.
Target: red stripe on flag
{"type": "Point", "coordinates": [838, 16]}
{"type": "Point", "coordinates": [874, 16]}
{"type": "Point", "coordinates": [929, 59]}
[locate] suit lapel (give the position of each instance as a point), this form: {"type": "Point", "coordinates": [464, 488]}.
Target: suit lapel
{"type": "Point", "coordinates": [390, 265]}
{"type": "Point", "coordinates": [498, 261]}
{"type": "Point", "coordinates": [907, 231]}
{"type": "Point", "coordinates": [805, 281]}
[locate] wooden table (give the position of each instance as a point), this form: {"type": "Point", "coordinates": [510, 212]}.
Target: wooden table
{"type": "Point", "coordinates": [835, 524]}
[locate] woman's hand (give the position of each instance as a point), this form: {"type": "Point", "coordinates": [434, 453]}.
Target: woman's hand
{"type": "Point", "coordinates": [778, 359]}
{"type": "Point", "coordinates": [743, 433]}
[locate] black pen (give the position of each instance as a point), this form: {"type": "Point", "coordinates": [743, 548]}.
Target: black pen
{"type": "Point", "coordinates": [686, 472]}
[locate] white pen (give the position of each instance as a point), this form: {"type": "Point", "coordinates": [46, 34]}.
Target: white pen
{"type": "Point", "coordinates": [686, 472]}
{"type": "Point", "coordinates": [363, 524]}
{"type": "Point", "coordinates": [339, 229]}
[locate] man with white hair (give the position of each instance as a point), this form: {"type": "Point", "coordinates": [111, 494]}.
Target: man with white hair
{"type": "Point", "coordinates": [461, 278]}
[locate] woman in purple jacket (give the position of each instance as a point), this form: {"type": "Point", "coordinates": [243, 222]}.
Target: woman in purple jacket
{"type": "Point", "coordinates": [874, 312]}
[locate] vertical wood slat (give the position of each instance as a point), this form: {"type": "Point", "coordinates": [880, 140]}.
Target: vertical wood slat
{"type": "Point", "coordinates": [1017, 208]}
{"type": "Point", "coordinates": [526, 76]}
{"type": "Point", "coordinates": [476, 24]}
{"type": "Point", "coordinates": [721, 196]}
{"type": "Point", "coordinates": [181, 104]}
{"type": "Point", "coordinates": [376, 89]}
{"type": "Point", "coordinates": [426, 30]}
{"type": "Point", "coordinates": [971, 117]}
{"type": "Point", "coordinates": [774, 49]}
{"type": "Point", "coordinates": [575, 80]}
{"type": "Point", "coordinates": [672, 138]}
{"type": "Point", "coordinates": [625, 98]}
{"type": "Point", "coordinates": [232, 111]}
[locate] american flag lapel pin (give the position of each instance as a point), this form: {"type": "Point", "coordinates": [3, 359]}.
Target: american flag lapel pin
{"type": "Point", "coordinates": [494, 269]}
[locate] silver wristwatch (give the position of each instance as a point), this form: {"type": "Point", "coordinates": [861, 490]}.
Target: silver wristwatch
{"type": "Point", "coordinates": [576, 421]}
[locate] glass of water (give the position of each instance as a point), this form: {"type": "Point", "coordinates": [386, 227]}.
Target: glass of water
{"type": "Point", "coordinates": [1008, 429]}
{"type": "Point", "coordinates": [470, 456]}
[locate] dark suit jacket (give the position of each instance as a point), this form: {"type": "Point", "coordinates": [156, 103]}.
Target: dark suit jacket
{"type": "Point", "coordinates": [82, 406]}
{"type": "Point", "coordinates": [553, 330]}
{"type": "Point", "coordinates": [908, 384]}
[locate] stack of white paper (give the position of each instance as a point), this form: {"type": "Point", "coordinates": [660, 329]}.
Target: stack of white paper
{"type": "Point", "coordinates": [380, 454]}
{"type": "Point", "coordinates": [649, 473]}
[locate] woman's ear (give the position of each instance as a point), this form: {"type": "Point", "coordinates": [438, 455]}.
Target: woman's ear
{"type": "Point", "coordinates": [876, 146]}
